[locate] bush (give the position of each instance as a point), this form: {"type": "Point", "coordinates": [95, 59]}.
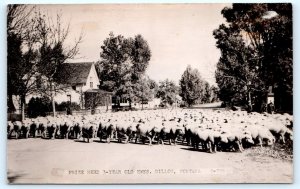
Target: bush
{"type": "Point", "coordinates": [38, 107]}
{"type": "Point", "coordinates": [65, 105]}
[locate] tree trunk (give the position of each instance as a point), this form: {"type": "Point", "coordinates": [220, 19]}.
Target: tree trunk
{"type": "Point", "coordinates": [129, 104]}
{"type": "Point", "coordinates": [53, 106]}
{"type": "Point", "coordinates": [106, 102]}
{"type": "Point", "coordinates": [250, 102]}
{"type": "Point", "coordinates": [52, 99]}
{"type": "Point", "coordinates": [10, 105]}
{"type": "Point", "coordinates": [22, 107]}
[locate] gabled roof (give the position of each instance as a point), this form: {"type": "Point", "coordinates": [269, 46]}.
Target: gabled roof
{"type": "Point", "coordinates": [74, 73]}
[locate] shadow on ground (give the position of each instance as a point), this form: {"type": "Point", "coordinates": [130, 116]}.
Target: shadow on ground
{"type": "Point", "coordinates": [12, 177]}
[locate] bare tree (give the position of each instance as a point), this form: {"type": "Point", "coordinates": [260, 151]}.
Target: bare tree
{"type": "Point", "coordinates": [36, 48]}
{"type": "Point", "coordinates": [52, 52]}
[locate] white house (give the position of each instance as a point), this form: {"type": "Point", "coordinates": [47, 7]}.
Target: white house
{"type": "Point", "coordinates": [80, 77]}
{"type": "Point", "coordinates": [74, 80]}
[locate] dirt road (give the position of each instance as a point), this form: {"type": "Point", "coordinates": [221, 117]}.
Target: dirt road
{"type": "Point", "coordinates": [68, 161]}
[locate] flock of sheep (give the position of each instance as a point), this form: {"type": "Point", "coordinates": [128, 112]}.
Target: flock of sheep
{"type": "Point", "coordinates": [205, 129]}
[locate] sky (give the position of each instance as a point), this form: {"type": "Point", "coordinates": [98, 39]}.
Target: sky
{"type": "Point", "coordinates": [178, 34]}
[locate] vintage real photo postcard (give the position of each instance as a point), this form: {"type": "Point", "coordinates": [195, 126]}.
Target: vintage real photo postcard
{"type": "Point", "coordinates": [149, 93]}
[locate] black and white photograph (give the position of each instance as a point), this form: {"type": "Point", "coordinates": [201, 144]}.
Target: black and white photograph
{"type": "Point", "coordinates": [149, 93]}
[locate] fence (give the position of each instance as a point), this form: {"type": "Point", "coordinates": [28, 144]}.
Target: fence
{"type": "Point", "coordinates": [77, 112]}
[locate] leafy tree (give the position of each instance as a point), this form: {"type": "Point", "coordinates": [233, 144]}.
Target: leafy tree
{"type": "Point", "coordinates": [256, 52]}
{"type": "Point", "coordinates": [233, 73]}
{"type": "Point", "coordinates": [94, 99]}
{"type": "Point", "coordinates": [191, 86]}
{"type": "Point", "coordinates": [145, 90]}
{"type": "Point", "coordinates": [123, 63]}
{"type": "Point", "coordinates": [167, 92]}
{"type": "Point", "coordinates": [207, 93]}
{"type": "Point", "coordinates": [214, 93]}
{"type": "Point", "coordinates": [15, 65]}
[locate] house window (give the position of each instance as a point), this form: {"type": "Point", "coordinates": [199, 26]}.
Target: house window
{"type": "Point", "coordinates": [69, 98]}
{"type": "Point", "coordinates": [91, 84]}
{"type": "Point", "coordinates": [123, 100]}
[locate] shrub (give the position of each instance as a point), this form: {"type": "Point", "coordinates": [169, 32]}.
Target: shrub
{"type": "Point", "coordinates": [38, 107]}
{"type": "Point", "coordinates": [65, 105]}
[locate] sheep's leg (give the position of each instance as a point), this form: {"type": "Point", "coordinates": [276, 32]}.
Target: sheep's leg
{"type": "Point", "coordinates": [239, 146]}
{"type": "Point", "coordinates": [17, 135]}
{"type": "Point", "coordinates": [209, 146]}
{"type": "Point", "coordinates": [215, 147]}
{"type": "Point", "coordinates": [116, 136]}
{"type": "Point", "coordinates": [108, 139]}
{"type": "Point", "coordinates": [204, 146]}
{"type": "Point", "coordinates": [150, 140]}
{"type": "Point", "coordinates": [127, 139]}
{"type": "Point", "coordinates": [242, 148]}
{"type": "Point", "coordinates": [197, 145]}
{"type": "Point", "coordinates": [183, 138]}
{"type": "Point", "coordinates": [260, 142]}
{"type": "Point", "coordinates": [282, 138]}
{"type": "Point", "coordinates": [9, 134]}
{"type": "Point", "coordinates": [53, 134]}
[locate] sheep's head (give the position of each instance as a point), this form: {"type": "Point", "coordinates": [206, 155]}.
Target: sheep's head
{"type": "Point", "coordinates": [180, 130]}
{"type": "Point", "coordinates": [270, 141]}
{"type": "Point", "coordinates": [248, 138]}
{"type": "Point", "coordinates": [223, 138]}
{"type": "Point", "coordinates": [10, 124]}
{"type": "Point", "coordinates": [156, 129]}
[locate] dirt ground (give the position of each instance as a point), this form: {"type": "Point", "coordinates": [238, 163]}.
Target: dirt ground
{"type": "Point", "coordinates": [68, 161]}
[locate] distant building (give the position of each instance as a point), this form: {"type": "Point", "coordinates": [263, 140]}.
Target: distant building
{"type": "Point", "coordinates": [148, 104]}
